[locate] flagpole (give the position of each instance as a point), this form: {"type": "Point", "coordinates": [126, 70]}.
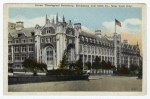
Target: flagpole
{"type": "Point", "coordinates": [115, 25]}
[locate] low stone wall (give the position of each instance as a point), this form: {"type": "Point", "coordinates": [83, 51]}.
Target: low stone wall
{"type": "Point", "coordinates": [15, 80]}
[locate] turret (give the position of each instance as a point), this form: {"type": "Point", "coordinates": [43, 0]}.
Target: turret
{"type": "Point", "coordinates": [98, 33]}
{"type": "Point", "coordinates": [57, 18]}
{"type": "Point", "coordinates": [125, 42]}
{"type": "Point", "coordinates": [63, 19]}
{"type": "Point", "coordinates": [53, 20]}
{"type": "Point", "coordinates": [46, 18]}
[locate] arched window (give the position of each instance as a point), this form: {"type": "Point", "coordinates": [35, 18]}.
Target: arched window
{"type": "Point", "coordinates": [49, 52]}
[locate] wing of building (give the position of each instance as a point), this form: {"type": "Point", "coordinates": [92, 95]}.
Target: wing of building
{"type": "Point", "coordinates": [47, 44]}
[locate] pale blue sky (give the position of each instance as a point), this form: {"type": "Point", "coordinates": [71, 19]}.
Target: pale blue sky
{"type": "Point", "coordinates": [92, 18]}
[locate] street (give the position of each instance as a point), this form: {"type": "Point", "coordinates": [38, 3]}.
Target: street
{"type": "Point", "coordinates": [95, 83]}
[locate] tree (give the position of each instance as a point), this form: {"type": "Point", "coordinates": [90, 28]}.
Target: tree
{"type": "Point", "coordinates": [96, 65]}
{"type": "Point", "coordinates": [89, 65]}
{"type": "Point", "coordinates": [104, 65]}
{"type": "Point", "coordinates": [134, 68]}
{"type": "Point", "coordinates": [34, 66]}
{"type": "Point", "coordinates": [79, 64]}
{"type": "Point", "coordinates": [124, 71]}
{"type": "Point", "coordinates": [63, 62]}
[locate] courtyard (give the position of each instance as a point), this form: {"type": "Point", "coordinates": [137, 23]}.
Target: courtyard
{"type": "Point", "coordinates": [95, 83]}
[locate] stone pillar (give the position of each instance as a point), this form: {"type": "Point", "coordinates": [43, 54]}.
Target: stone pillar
{"type": "Point", "coordinates": [128, 61]}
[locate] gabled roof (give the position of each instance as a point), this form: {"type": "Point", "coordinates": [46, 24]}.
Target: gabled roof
{"type": "Point", "coordinates": [26, 31]}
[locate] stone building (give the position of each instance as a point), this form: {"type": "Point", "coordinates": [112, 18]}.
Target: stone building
{"type": "Point", "coordinates": [47, 44]}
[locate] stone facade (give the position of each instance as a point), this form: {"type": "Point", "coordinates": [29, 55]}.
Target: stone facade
{"type": "Point", "coordinates": [47, 44]}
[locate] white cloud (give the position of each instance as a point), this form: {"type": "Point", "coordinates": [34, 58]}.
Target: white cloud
{"type": "Point", "coordinates": [87, 30]}
{"type": "Point", "coordinates": [110, 26]}
{"type": "Point", "coordinates": [34, 21]}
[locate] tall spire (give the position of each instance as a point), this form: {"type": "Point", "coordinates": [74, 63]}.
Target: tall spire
{"type": "Point", "coordinates": [57, 18]}
{"type": "Point", "coordinates": [53, 19]}
{"type": "Point", "coordinates": [46, 18]}
{"type": "Point", "coordinates": [63, 18]}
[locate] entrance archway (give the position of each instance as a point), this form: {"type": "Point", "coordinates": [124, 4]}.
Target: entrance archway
{"type": "Point", "coordinates": [49, 54]}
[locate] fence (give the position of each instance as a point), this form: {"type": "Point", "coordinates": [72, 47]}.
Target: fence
{"type": "Point", "coordinates": [14, 80]}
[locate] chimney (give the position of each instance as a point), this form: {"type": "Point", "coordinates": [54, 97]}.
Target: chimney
{"type": "Point", "coordinates": [19, 25]}
{"type": "Point", "coordinates": [125, 42]}
{"type": "Point", "coordinates": [98, 33]}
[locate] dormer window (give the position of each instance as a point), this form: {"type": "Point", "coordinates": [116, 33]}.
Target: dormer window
{"type": "Point", "coordinates": [16, 41]}
{"type": "Point", "coordinates": [48, 31]}
{"type": "Point", "coordinates": [30, 40]}
{"type": "Point", "coordinates": [32, 33]}
{"type": "Point", "coordinates": [82, 38]}
{"type": "Point", "coordinates": [23, 41]}
{"type": "Point", "coordinates": [94, 40]}
{"type": "Point", "coordinates": [86, 39]}
{"type": "Point", "coordinates": [19, 35]}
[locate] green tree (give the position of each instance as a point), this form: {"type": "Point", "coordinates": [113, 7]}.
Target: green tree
{"type": "Point", "coordinates": [63, 62]}
{"type": "Point", "coordinates": [79, 64]}
{"type": "Point", "coordinates": [134, 68]}
{"type": "Point", "coordinates": [89, 65]}
{"type": "Point", "coordinates": [34, 66]}
{"type": "Point", "coordinates": [124, 71]}
{"type": "Point", "coordinates": [96, 65]}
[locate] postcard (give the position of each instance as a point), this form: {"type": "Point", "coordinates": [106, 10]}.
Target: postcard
{"type": "Point", "coordinates": [75, 49]}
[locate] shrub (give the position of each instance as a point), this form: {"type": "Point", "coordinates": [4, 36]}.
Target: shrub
{"type": "Point", "coordinates": [124, 71]}
{"type": "Point", "coordinates": [34, 66]}
{"type": "Point", "coordinates": [63, 72]}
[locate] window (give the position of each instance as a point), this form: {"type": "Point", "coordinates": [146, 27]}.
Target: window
{"type": "Point", "coordinates": [107, 51]}
{"type": "Point", "coordinates": [17, 57]}
{"type": "Point", "coordinates": [99, 50]}
{"type": "Point", "coordinates": [30, 56]}
{"type": "Point", "coordinates": [47, 40]}
{"type": "Point", "coordinates": [54, 39]}
{"type": "Point", "coordinates": [23, 57]}
{"type": "Point", "coordinates": [70, 41]}
{"type": "Point", "coordinates": [9, 49]}
{"type": "Point", "coordinates": [16, 48]}
{"type": "Point", "coordinates": [42, 40]}
{"type": "Point", "coordinates": [23, 49]}
{"type": "Point", "coordinates": [48, 31]}
{"type": "Point", "coordinates": [88, 49]}
{"type": "Point", "coordinates": [16, 41]}
{"type": "Point", "coordinates": [23, 41]}
{"type": "Point", "coordinates": [80, 48]}
{"type": "Point", "coordinates": [19, 35]}
{"type": "Point", "coordinates": [117, 42]}
{"type": "Point", "coordinates": [94, 40]}
{"type": "Point", "coordinates": [17, 66]}
{"type": "Point", "coordinates": [49, 52]}
{"type": "Point", "coordinates": [32, 33]}
{"type": "Point", "coordinates": [50, 39]}
{"type": "Point", "coordinates": [92, 49]}
{"type": "Point", "coordinates": [9, 57]}
{"type": "Point", "coordinates": [30, 40]}
{"type": "Point", "coordinates": [9, 42]}
{"type": "Point", "coordinates": [82, 38]}
{"type": "Point", "coordinates": [85, 48]}
{"type": "Point", "coordinates": [30, 48]}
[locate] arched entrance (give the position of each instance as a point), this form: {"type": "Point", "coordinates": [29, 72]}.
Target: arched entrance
{"type": "Point", "coordinates": [49, 54]}
{"type": "Point", "coordinates": [70, 54]}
